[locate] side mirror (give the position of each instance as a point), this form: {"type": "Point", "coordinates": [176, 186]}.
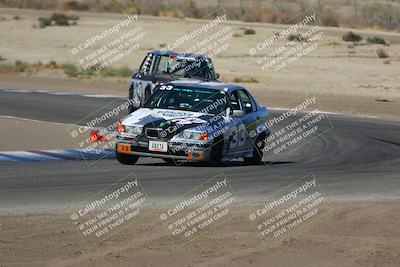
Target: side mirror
{"type": "Point", "coordinates": [238, 113]}
{"type": "Point", "coordinates": [217, 75]}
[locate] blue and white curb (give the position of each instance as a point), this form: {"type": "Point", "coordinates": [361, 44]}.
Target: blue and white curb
{"type": "Point", "coordinates": [53, 155]}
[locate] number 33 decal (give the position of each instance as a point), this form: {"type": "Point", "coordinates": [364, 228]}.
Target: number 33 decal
{"type": "Point", "coordinates": [238, 137]}
{"type": "Point", "coordinates": [166, 87]}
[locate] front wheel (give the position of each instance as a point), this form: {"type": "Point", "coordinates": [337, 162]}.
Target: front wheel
{"type": "Point", "coordinates": [217, 151]}
{"type": "Point", "coordinates": [132, 109]}
{"type": "Point", "coordinates": [127, 159]}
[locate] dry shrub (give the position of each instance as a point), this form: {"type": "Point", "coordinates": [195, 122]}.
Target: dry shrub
{"type": "Point", "coordinates": [376, 15]}
{"type": "Point", "coordinates": [248, 31]}
{"type": "Point", "coordinates": [329, 18]}
{"type": "Point", "coordinates": [172, 14]}
{"type": "Point", "coordinates": [296, 38]}
{"type": "Point", "coordinates": [74, 5]}
{"type": "Point", "coordinates": [351, 37]}
{"type": "Point", "coordinates": [381, 53]}
{"type": "Point", "coordinates": [59, 19]}
{"type": "Point", "coordinates": [52, 65]}
{"type": "Point", "coordinates": [267, 15]}
{"type": "Point", "coordinates": [245, 80]}
{"type": "Point", "coordinates": [255, 15]}
{"type": "Point", "coordinates": [387, 62]}
{"type": "Point", "coordinates": [44, 22]}
{"type": "Point", "coordinates": [114, 7]}
{"type": "Point", "coordinates": [376, 40]}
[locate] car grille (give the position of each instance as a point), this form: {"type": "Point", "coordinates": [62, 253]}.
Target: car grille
{"type": "Point", "coordinates": [153, 132]}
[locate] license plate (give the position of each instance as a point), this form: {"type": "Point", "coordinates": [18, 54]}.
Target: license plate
{"type": "Point", "coordinates": [158, 146]}
{"type": "Point", "coordinates": [124, 148]}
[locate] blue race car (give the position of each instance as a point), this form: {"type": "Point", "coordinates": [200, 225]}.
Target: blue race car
{"type": "Point", "coordinates": [195, 121]}
{"type": "Point", "coordinates": [159, 67]}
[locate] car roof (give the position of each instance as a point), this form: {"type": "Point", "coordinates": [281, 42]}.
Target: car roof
{"type": "Point", "coordinates": [227, 87]}
{"type": "Point", "coordinates": [171, 53]}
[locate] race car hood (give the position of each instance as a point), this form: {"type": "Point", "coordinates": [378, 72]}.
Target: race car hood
{"type": "Point", "coordinates": [172, 121]}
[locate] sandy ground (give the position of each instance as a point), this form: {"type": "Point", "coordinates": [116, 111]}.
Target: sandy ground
{"type": "Point", "coordinates": [19, 134]}
{"type": "Point", "coordinates": [345, 79]}
{"type": "Point", "coordinates": [353, 234]}
{"type": "Point", "coordinates": [333, 68]}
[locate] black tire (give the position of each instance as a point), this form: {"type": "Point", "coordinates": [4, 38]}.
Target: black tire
{"type": "Point", "coordinates": [127, 159]}
{"type": "Point", "coordinates": [169, 161]}
{"type": "Point", "coordinates": [258, 151]}
{"type": "Point", "coordinates": [216, 151]}
{"type": "Point", "coordinates": [130, 95]}
{"type": "Point", "coordinates": [147, 94]}
{"type": "Point", "coordinates": [132, 109]}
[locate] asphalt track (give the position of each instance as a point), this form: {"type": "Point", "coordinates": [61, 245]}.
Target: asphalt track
{"type": "Point", "coordinates": [359, 159]}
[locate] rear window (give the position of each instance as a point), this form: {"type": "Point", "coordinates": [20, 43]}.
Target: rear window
{"type": "Point", "coordinates": [188, 99]}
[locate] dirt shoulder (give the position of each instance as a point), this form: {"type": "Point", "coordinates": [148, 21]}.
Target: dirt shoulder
{"type": "Point", "coordinates": [348, 77]}
{"type": "Point", "coordinates": [353, 234]}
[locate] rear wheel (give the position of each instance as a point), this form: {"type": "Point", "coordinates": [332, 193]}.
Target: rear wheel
{"type": "Point", "coordinates": [131, 107]}
{"type": "Point", "coordinates": [258, 150]}
{"type": "Point", "coordinates": [127, 159]}
{"type": "Point", "coordinates": [169, 161]}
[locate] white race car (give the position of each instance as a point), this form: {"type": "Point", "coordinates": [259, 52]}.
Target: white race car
{"type": "Point", "coordinates": [195, 121]}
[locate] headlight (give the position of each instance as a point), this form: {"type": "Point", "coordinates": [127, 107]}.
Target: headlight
{"type": "Point", "coordinates": [120, 128]}
{"type": "Point", "coordinates": [133, 130]}
{"type": "Point", "coordinates": [191, 135]}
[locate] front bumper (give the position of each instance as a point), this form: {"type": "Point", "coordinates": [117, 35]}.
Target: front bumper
{"type": "Point", "coordinates": [177, 151]}
{"type": "Point", "coordinates": [135, 102]}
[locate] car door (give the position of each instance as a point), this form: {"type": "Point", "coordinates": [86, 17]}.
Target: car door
{"type": "Point", "coordinates": [249, 119]}
{"type": "Point", "coordinates": [237, 135]}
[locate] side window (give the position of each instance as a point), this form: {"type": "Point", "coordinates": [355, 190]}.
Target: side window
{"type": "Point", "coordinates": [146, 64]}
{"type": "Point", "coordinates": [248, 105]}
{"type": "Point", "coordinates": [234, 99]}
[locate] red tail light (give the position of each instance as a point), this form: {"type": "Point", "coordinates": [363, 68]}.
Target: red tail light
{"type": "Point", "coordinates": [95, 137]}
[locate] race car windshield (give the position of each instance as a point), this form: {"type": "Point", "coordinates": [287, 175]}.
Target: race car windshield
{"type": "Point", "coordinates": [188, 99]}
{"type": "Point", "coordinates": [183, 67]}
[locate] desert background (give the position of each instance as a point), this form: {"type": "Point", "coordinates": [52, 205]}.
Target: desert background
{"type": "Point", "coordinates": [356, 78]}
